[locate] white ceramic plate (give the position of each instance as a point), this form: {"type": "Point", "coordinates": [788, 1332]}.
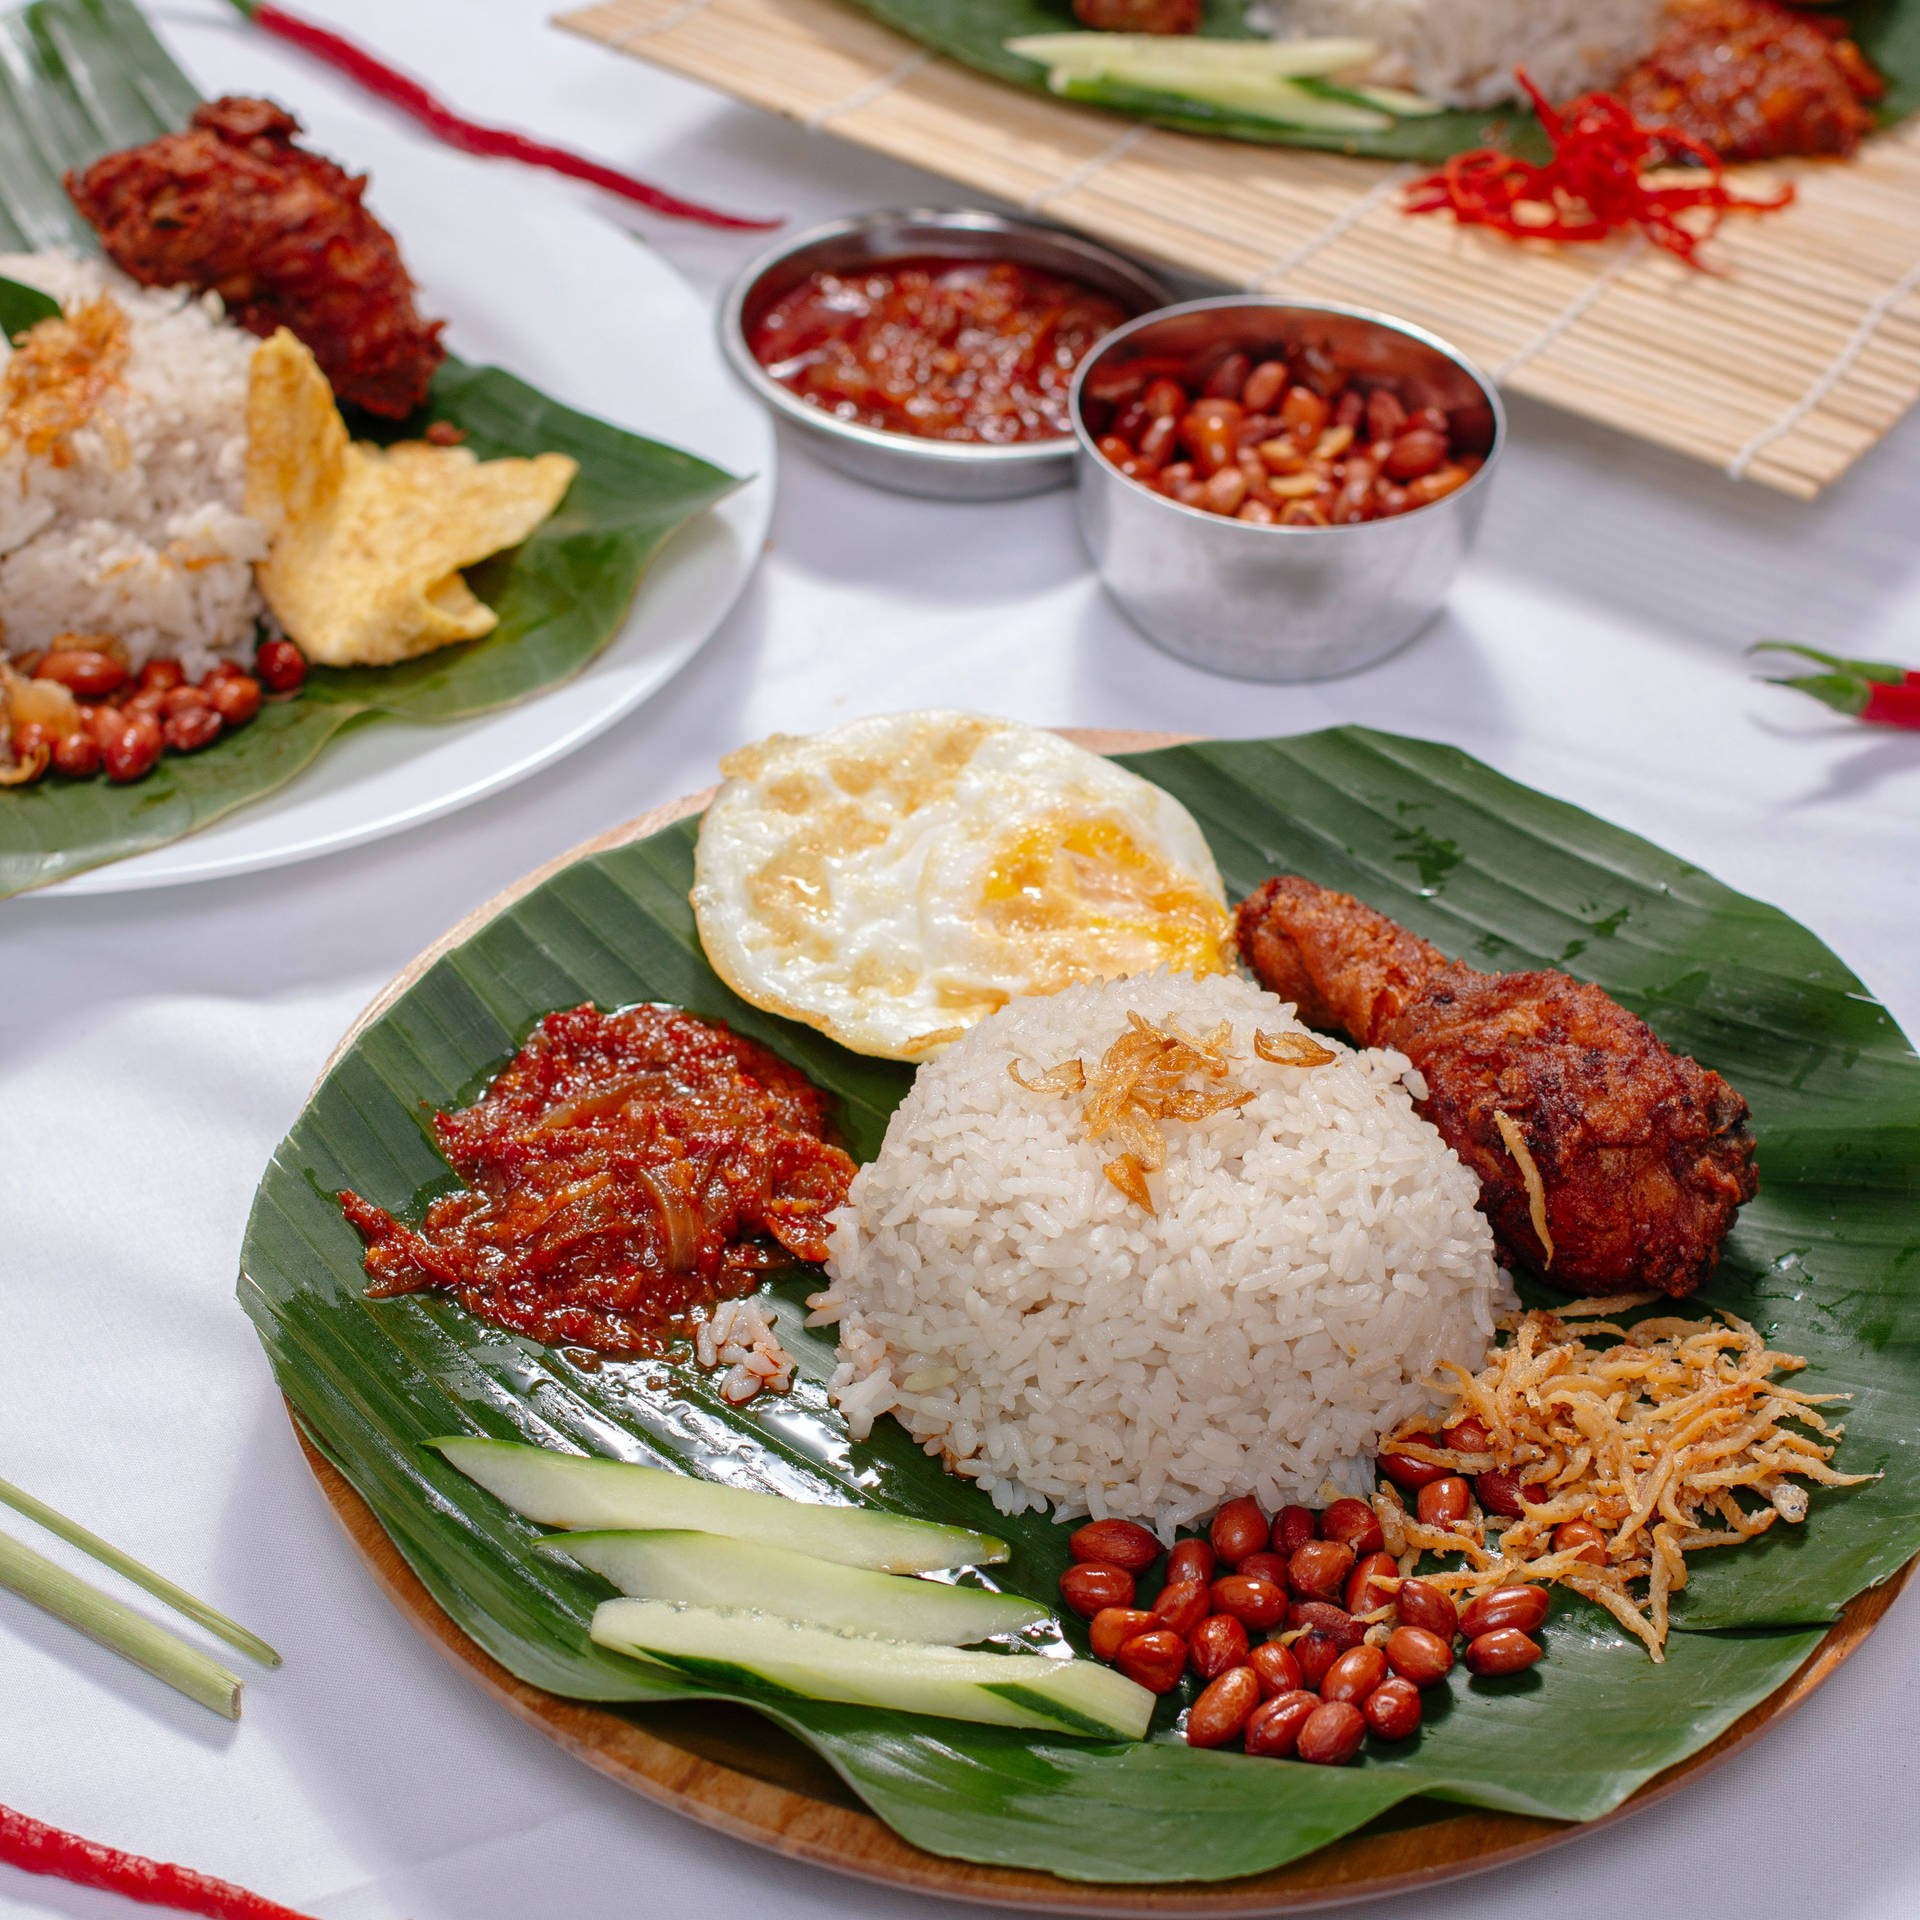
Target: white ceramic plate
{"type": "Point", "coordinates": [532, 282]}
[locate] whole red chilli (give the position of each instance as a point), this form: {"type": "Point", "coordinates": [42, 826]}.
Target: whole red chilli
{"type": "Point", "coordinates": [469, 136]}
{"type": "Point", "coordinates": [35, 1847]}
{"type": "Point", "coordinates": [1876, 691]}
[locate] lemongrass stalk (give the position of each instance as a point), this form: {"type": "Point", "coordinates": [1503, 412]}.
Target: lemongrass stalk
{"type": "Point", "coordinates": [178, 1598]}
{"type": "Point", "coordinates": [67, 1597]}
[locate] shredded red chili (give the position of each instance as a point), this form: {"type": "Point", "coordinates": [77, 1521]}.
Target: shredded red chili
{"type": "Point", "coordinates": [622, 1169]}
{"type": "Point", "coordinates": [1594, 186]}
{"type": "Point", "coordinates": [469, 136]}
{"type": "Point", "coordinates": [941, 349]}
{"type": "Point", "coordinates": [35, 1847]}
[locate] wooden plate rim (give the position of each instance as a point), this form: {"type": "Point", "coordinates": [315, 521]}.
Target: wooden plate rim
{"type": "Point", "coordinates": [853, 1841]}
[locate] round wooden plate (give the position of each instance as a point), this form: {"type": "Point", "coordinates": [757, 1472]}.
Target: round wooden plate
{"type": "Point", "coordinates": [730, 1768]}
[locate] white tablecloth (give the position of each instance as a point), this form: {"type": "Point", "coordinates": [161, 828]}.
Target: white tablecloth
{"type": "Point", "coordinates": [153, 1048]}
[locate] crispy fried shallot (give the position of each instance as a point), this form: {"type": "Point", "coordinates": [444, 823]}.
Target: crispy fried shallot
{"type": "Point", "coordinates": [1143, 1078]}
{"type": "Point", "coordinates": [1291, 1049]}
{"type": "Point", "coordinates": [1647, 1433]}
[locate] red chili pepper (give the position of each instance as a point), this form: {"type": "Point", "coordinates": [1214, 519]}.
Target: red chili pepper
{"type": "Point", "coordinates": [492, 143]}
{"type": "Point", "coordinates": [1873, 690]}
{"type": "Point", "coordinates": [38, 1848]}
{"type": "Point", "coordinates": [1592, 187]}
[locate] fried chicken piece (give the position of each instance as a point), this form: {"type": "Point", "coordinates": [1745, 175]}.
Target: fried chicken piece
{"type": "Point", "coordinates": [1645, 1156]}
{"type": "Point", "coordinates": [233, 207]}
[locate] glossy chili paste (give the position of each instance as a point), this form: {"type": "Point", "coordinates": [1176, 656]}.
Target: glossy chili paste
{"type": "Point", "coordinates": [941, 349]}
{"type": "Point", "coordinates": [1754, 81]}
{"type": "Point", "coordinates": [621, 1170]}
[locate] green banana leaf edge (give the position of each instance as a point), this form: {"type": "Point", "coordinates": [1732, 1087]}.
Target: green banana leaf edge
{"type": "Point", "coordinates": [1826, 1262]}
{"type": "Point", "coordinates": [975, 32]}
{"type": "Point", "coordinates": [79, 78]}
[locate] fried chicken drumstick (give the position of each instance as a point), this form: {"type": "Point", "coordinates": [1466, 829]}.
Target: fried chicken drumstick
{"type": "Point", "coordinates": [1643, 1155]}
{"type": "Point", "coordinates": [232, 206]}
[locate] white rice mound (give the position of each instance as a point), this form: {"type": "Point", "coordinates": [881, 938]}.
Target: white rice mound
{"type": "Point", "coordinates": [1462, 53]}
{"type": "Point", "coordinates": [140, 533]}
{"type": "Point", "coordinates": [1315, 1254]}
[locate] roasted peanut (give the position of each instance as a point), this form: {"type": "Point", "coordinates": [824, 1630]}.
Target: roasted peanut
{"type": "Point", "coordinates": [1500, 1492]}
{"type": "Point", "coordinates": [280, 666]}
{"type": "Point", "coordinates": [1278, 1670]}
{"type": "Point", "coordinates": [1354, 1524]}
{"type": "Point", "coordinates": [162, 675]}
{"type": "Point", "coordinates": [1113, 1627]}
{"type": "Point", "coordinates": [1315, 1653]}
{"type": "Point", "coordinates": [1223, 1709]}
{"type": "Point", "coordinates": [1191, 1560]}
{"type": "Point", "coordinates": [1392, 1710]}
{"type": "Point", "coordinates": [134, 751]}
{"type": "Point", "coordinates": [1257, 1604]}
{"type": "Point", "coordinates": [1228, 379]}
{"type": "Point", "coordinates": [1584, 1535]}
{"type": "Point", "coordinates": [1444, 1502]}
{"type": "Point", "coordinates": [1467, 1435]}
{"type": "Point", "coordinates": [84, 671]}
{"type": "Point", "coordinates": [235, 697]}
{"type": "Point", "coordinates": [1323, 1617]}
{"type": "Point", "coordinates": [1500, 1651]}
{"type": "Point", "coordinates": [1238, 1529]}
{"type": "Point", "coordinates": [1293, 1527]}
{"type": "Point", "coordinates": [1217, 1643]}
{"type": "Point", "coordinates": [1089, 1587]}
{"type": "Point", "coordinates": [1354, 1675]}
{"type": "Point", "coordinates": [1265, 384]}
{"type": "Point", "coordinates": [1153, 1660]}
{"type": "Point", "coordinates": [1273, 1728]}
{"type": "Point", "coordinates": [77, 754]}
{"type": "Point", "coordinates": [1364, 1591]}
{"type": "Point", "coordinates": [1182, 1605]}
{"type": "Point", "coordinates": [1304, 414]}
{"type": "Point", "coordinates": [1115, 1543]}
{"type": "Point", "coordinates": [1522, 1607]}
{"type": "Point", "coordinates": [1421, 1604]}
{"type": "Point", "coordinates": [1266, 1566]}
{"type": "Point", "coordinates": [191, 728]}
{"type": "Point", "coordinates": [1320, 1568]}
{"type": "Point", "coordinates": [1404, 1471]}
{"type": "Point", "coordinates": [1332, 1734]}
{"type": "Point", "coordinates": [1417, 1655]}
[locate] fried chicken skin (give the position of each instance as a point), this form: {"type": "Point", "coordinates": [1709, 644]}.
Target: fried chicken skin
{"type": "Point", "coordinates": [233, 207]}
{"type": "Point", "coordinates": [1645, 1155]}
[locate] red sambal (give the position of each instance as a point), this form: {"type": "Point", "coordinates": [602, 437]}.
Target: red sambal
{"type": "Point", "coordinates": [941, 349]}
{"type": "Point", "coordinates": [1754, 81]}
{"type": "Point", "coordinates": [622, 1170]}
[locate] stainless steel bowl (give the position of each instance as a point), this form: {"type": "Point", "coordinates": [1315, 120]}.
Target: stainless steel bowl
{"type": "Point", "coordinates": [1280, 603]}
{"type": "Point", "coordinates": [945, 469]}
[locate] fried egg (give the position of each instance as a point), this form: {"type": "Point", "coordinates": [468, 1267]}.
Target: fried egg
{"type": "Point", "coordinates": [899, 878]}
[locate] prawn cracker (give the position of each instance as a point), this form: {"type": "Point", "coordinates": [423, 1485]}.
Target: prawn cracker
{"type": "Point", "coordinates": [367, 544]}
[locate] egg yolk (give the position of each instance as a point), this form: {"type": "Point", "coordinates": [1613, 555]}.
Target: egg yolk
{"type": "Point", "coordinates": [1091, 903]}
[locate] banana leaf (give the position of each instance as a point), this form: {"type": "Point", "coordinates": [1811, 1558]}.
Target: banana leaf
{"type": "Point", "coordinates": [79, 78]}
{"type": "Point", "coordinates": [1826, 1261]}
{"type": "Point", "coordinates": [975, 33]}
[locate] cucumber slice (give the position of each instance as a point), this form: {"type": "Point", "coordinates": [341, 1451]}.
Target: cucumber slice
{"type": "Point", "coordinates": [1003, 1689]}
{"type": "Point", "coordinates": [1157, 60]}
{"type": "Point", "coordinates": [1398, 101]}
{"type": "Point", "coordinates": [569, 1490]}
{"type": "Point", "coordinates": [1282, 101]}
{"type": "Point", "coordinates": [708, 1570]}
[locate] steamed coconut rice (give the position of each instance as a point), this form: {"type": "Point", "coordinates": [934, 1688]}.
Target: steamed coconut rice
{"type": "Point", "coordinates": [128, 522]}
{"type": "Point", "coordinates": [1312, 1256]}
{"type": "Point", "coordinates": [1462, 53]}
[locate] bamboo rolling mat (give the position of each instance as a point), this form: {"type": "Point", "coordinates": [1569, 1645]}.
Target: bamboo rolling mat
{"type": "Point", "coordinates": [1783, 368]}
